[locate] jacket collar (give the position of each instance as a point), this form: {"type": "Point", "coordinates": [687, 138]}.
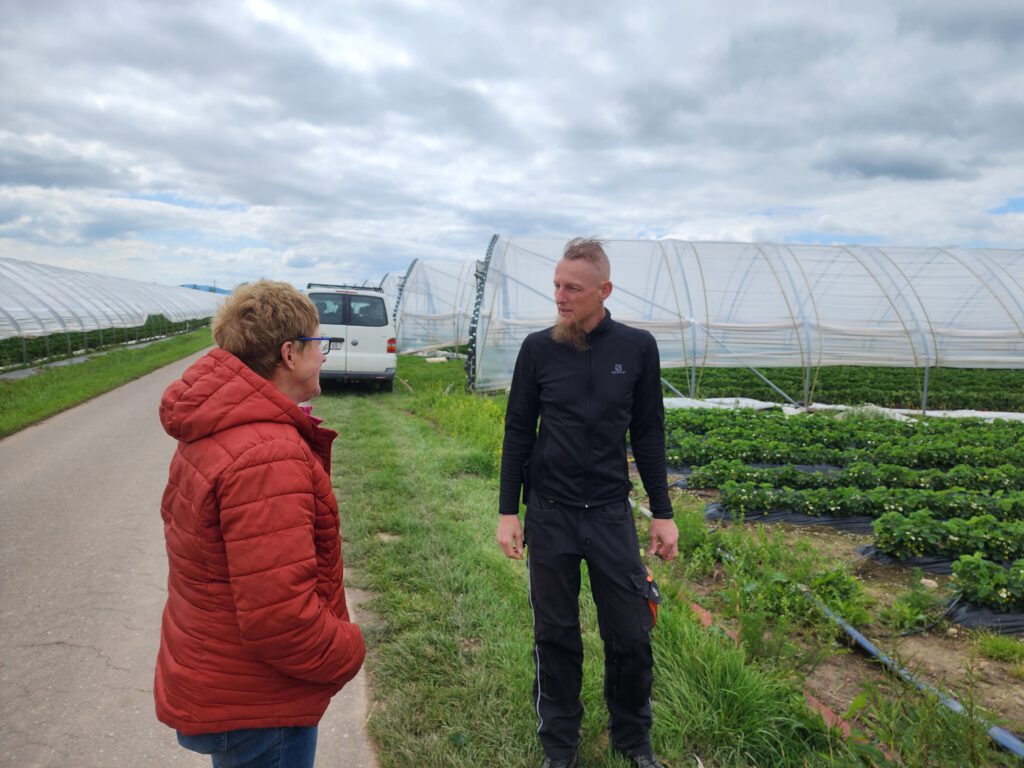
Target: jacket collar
{"type": "Point", "coordinates": [603, 327]}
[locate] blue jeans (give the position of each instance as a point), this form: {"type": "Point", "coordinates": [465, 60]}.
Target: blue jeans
{"type": "Point", "coordinates": [256, 747]}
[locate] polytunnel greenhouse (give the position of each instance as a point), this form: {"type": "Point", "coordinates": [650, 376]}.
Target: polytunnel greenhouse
{"type": "Point", "coordinates": [391, 287]}
{"type": "Point", "coordinates": [435, 306]}
{"type": "Point", "coordinates": [719, 304]}
{"type": "Point", "coordinates": [39, 300]}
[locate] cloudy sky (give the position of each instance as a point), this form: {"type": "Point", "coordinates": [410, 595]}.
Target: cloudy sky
{"type": "Point", "coordinates": [217, 141]}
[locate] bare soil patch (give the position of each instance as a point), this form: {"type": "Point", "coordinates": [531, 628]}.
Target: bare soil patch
{"type": "Point", "coordinates": [945, 657]}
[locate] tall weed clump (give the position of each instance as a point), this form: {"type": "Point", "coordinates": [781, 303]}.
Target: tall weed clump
{"type": "Point", "coordinates": [712, 701]}
{"type": "Point", "coordinates": [477, 422]}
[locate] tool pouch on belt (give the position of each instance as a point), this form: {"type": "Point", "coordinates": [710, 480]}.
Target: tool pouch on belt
{"type": "Point", "coordinates": [653, 596]}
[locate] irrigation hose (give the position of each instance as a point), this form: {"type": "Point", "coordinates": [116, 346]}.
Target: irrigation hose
{"type": "Point", "coordinates": [1000, 736]}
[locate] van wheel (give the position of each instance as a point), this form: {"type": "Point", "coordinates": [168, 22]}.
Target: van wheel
{"type": "Point", "coordinates": [388, 385]}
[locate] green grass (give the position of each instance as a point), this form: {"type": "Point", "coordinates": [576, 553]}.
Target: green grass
{"type": "Point", "coordinates": [24, 402]}
{"type": "Point", "coordinates": [920, 732]}
{"type": "Point", "coordinates": [1001, 648]}
{"type": "Point", "coordinates": [451, 646]}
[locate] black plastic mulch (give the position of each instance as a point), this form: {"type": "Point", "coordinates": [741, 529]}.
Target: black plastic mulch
{"type": "Point", "coordinates": [852, 524]}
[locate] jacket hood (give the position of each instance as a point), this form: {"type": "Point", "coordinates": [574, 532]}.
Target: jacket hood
{"type": "Point", "coordinates": [219, 392]}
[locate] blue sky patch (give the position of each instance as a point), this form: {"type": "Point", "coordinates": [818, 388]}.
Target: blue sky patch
{"type": "Point", "coordinates": [1012, 205]}
{"type": "Point", "coordinates": [181, 202]}
{"type": "Point", "coordinates": [811, 237]}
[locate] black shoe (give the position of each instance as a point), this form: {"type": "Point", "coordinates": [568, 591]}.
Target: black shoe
{"type": "Point", "coordinates": [572, 761]}
{"type": "Point", "coordinates": [644, 761]}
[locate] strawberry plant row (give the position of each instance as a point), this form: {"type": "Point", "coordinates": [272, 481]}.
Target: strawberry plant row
{"type": "Point", "coordinates": [750, 498]}
{"type": "Point", "coordinates": [842, 431]}
{"type": "Point", "coordinates": [984, 582]}
{"type": "Point", "coordinates": [948, 388]}
{"type": "Point", "coordinates": [922, 533]}
{"type": "Point", "coordinates": [861, 475]}
{"type": "Point", "coordinates": [905, 527]}
{"type": "Point", "coordinates": [947, 487]}
{"type": "Point", "coordinates": [684, 449]}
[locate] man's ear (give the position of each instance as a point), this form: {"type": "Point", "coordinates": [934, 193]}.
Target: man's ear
{"type": "Point", "coordinates": [606, 289]}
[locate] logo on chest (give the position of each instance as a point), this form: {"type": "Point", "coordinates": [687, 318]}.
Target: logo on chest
{"type": "Point", "coordinates": [618, 369]}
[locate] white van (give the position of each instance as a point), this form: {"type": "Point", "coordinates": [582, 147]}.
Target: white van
{"type": "Point", "coordinates": [363, 339]}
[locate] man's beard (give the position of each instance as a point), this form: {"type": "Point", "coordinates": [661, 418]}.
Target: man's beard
{"type": "Point", "coordinates": [569, 332]}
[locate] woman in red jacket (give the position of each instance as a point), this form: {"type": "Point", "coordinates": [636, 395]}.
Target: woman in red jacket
{"type": "Point", "coordinates": [256, 636]}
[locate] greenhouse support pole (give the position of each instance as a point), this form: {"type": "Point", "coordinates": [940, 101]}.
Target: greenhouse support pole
{"type": "Point", "coordinates": [756, 372]}
{"type": "Point", "coordinates": [924, 392]}
{"type": "Point", "coordinates": [666, 384]}
{"type": "Point", "coordinates": [473, 345]}
{"type": "Point", "coordinates": [765, 379]}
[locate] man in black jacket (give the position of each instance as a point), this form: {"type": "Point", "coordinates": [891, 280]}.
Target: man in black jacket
{"type": "Point", "coordinates": [590, 380]}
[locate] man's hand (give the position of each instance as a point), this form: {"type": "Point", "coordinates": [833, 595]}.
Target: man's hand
{"type": "Point", "coordinates": [510, 536]}
{"type": "Point", "coordinates": [664, 539]}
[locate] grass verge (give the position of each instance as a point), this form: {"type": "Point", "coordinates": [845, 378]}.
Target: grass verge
{"type": "Point", "coordinates": [451, 647]}
{"type": "Point", "coordinates": [54, 389]}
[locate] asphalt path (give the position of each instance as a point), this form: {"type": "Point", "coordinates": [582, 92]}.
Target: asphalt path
{"type": "Point", "coordinates": [82, 585]}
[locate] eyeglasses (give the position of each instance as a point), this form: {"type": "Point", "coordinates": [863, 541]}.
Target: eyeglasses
{"type": "Point", "coordinates": [325, 342]}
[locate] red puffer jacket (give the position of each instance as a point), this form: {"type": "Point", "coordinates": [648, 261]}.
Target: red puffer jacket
{"type": "Point", "coordinates": [255, 632]}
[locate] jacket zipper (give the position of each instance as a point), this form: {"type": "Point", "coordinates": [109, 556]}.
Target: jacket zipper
{"type": "Point", "coordinates": [590, 423]}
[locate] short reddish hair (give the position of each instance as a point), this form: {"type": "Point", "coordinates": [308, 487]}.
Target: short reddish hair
{"type": "Point", "coordinates": [255, 320]}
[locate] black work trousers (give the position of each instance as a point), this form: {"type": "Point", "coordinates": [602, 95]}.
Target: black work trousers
{"type": "Point", "coordinates": [558, 538]}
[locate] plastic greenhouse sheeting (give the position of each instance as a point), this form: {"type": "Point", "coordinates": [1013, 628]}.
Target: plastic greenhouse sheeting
{"type": "Point", "coordinates": [763, 304]}
{"type": "Point", "coordinates": [38, 300]}
{"type": "Point", "coordinates": [391, 287]}
{"type": "Point", "coordinates": [436, 306]}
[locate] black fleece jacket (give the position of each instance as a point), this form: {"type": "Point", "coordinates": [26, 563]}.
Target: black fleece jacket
{"type": "Point", "coordinates": [586, 402]}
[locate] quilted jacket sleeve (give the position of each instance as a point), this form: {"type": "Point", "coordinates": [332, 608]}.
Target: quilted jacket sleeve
{"type": "Point", "coordinates": [269, 512]}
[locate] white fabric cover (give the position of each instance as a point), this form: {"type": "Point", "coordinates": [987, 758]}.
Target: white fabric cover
{"type": "Point", "coordinates": [39, 299]}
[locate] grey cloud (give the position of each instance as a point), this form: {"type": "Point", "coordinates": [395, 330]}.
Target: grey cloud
{"type": "Point", "coordinates": [505, 116]}
{"type": "Point", "coordinates": [661, 113]}
{"type": "Point", "coordinates": [957, 22]}
{"type": "Point", "coordinates": [527, 223]}
{"type": "Point", "coordinates": [783, 52]}
{"type": "Point", "coordinates": [41, 169]}
{"type": "Point", "coordinates": [908, 165]}
{"type": "Point", "coordinates": [299, 261]}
